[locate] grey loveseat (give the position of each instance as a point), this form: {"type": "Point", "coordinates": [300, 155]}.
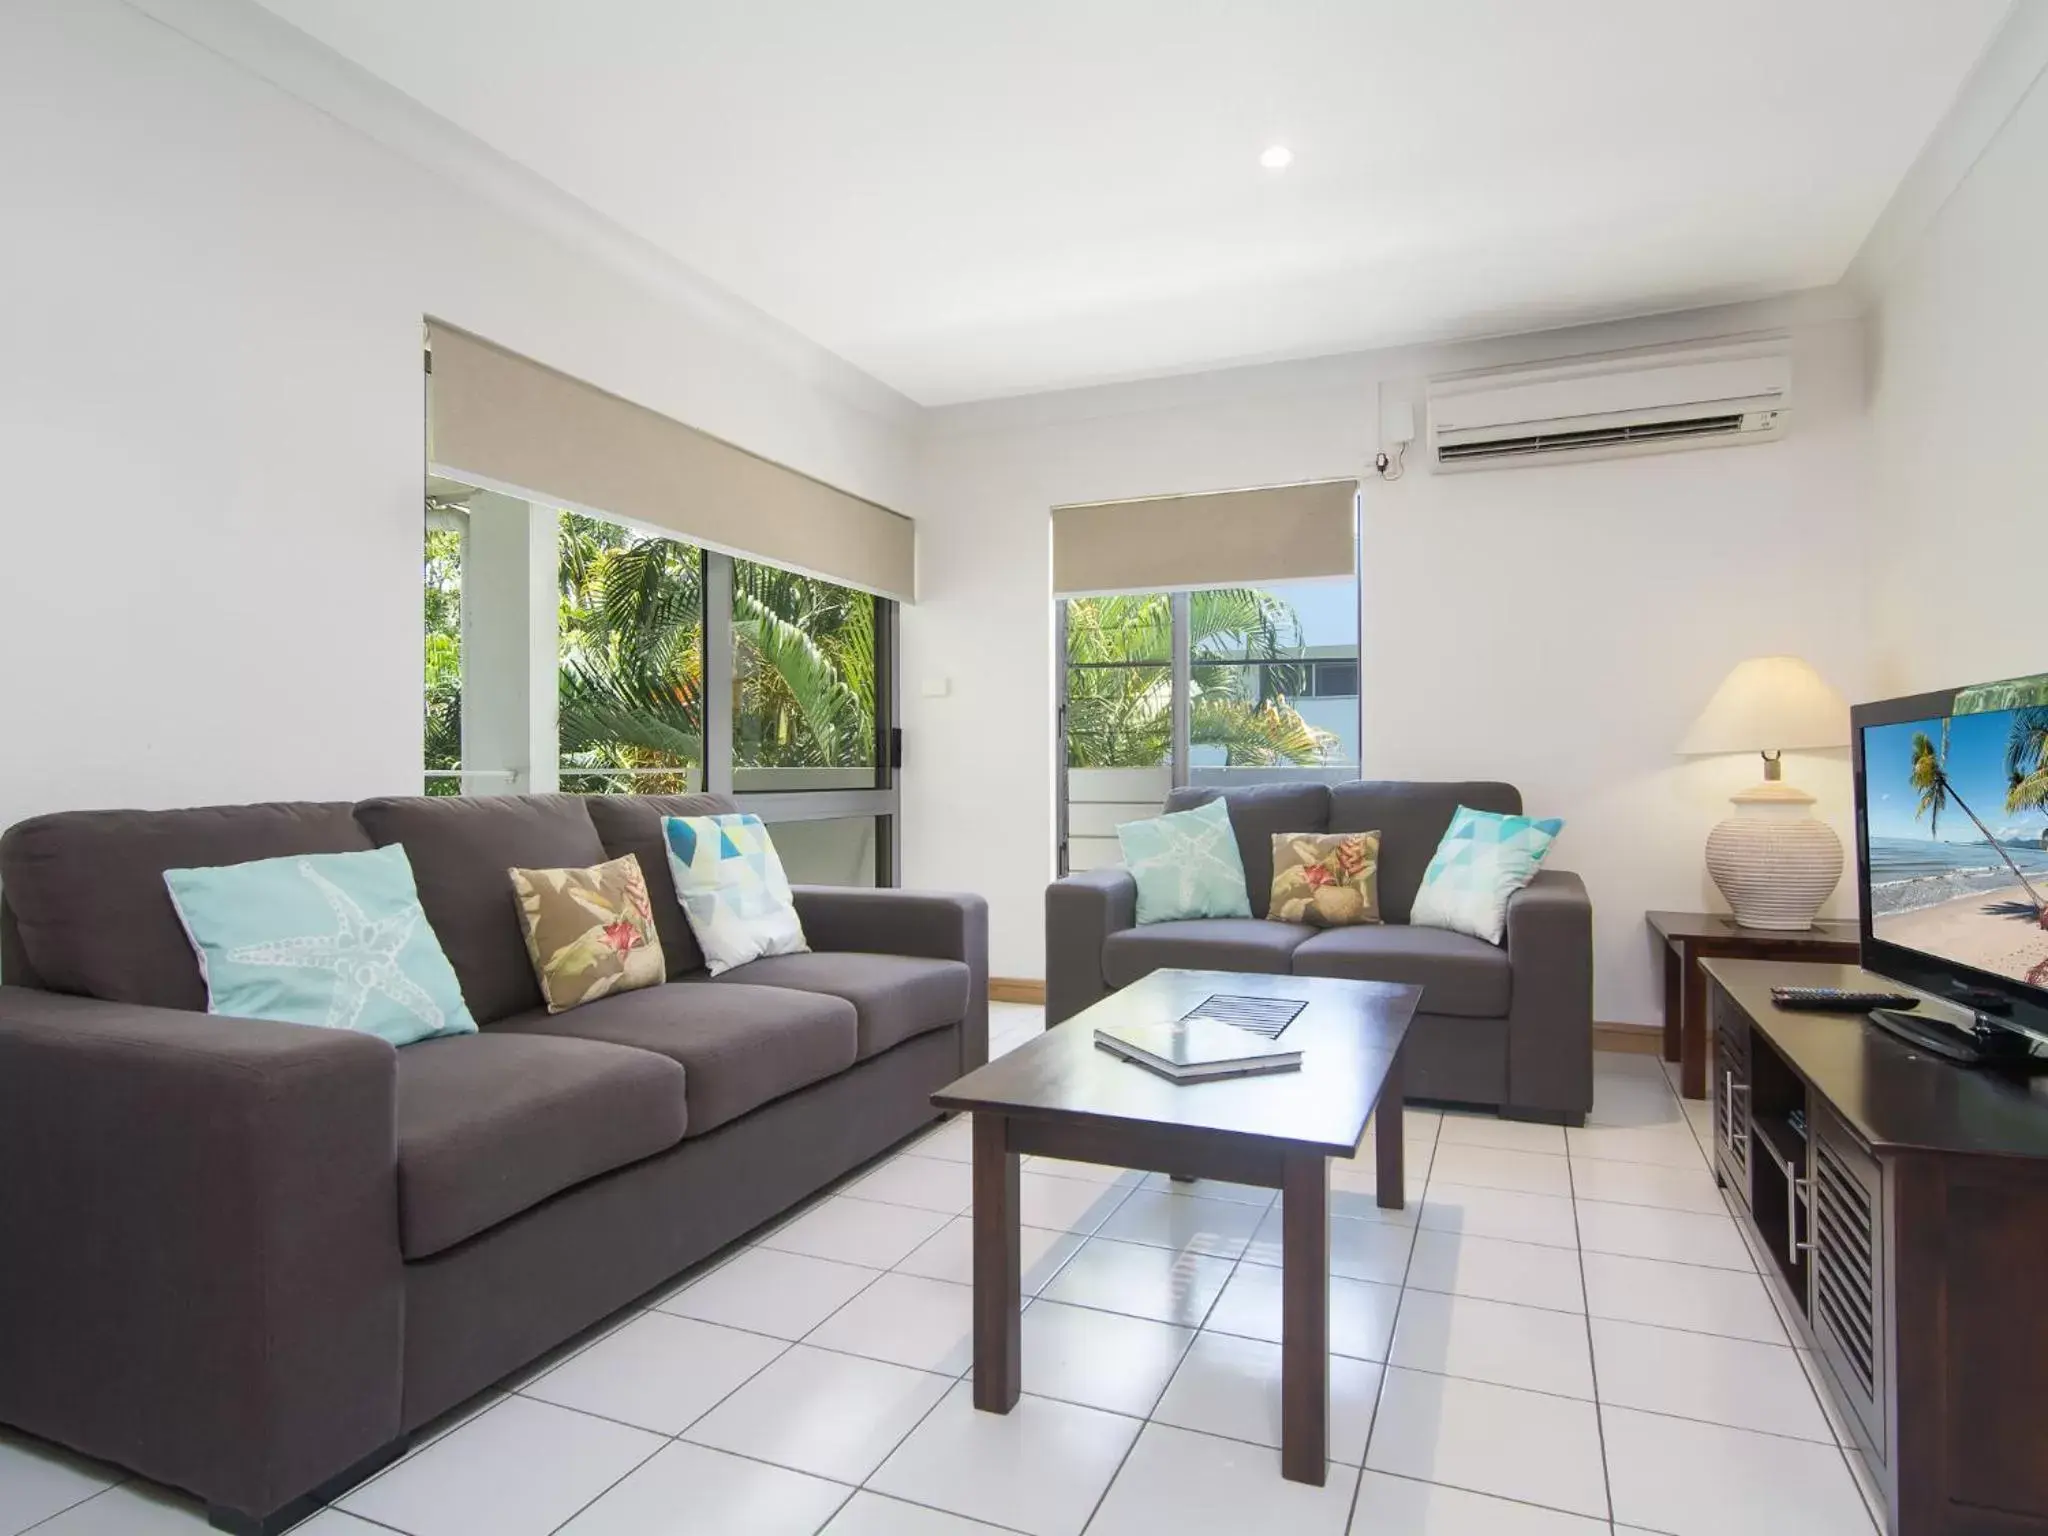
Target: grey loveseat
{"type": "Point", "coordinates": [249, 1259]}
{"type": "Point", "coordinates": [1509, 1026]}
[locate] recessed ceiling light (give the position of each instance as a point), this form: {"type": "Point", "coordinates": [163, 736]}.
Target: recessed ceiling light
{"type": "Point", "coordinates": [1277, 158]}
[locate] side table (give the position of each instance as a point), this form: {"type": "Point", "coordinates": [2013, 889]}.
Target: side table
{"type": "Point", "coordinates": [1690, 937]}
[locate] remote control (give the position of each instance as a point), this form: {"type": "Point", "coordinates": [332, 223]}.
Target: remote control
{"type": "Point", "coordinates": [1839, 999]}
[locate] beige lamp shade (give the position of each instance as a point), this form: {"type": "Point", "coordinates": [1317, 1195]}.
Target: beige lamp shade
{"type": "Point", "coordinates": [1770, 704]}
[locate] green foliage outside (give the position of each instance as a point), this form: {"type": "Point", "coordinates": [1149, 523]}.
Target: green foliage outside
{"type": "Point", "coordinates": [1120, 710]}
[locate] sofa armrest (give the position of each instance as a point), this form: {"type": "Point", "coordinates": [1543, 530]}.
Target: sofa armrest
{"type": "Point", "coordinates": [1550, 1010]}
{"type": "Point", "coordinates": [1081, 911]}
{"type": "Point", "coordinates": [199, 1266]}
{"type": "Point", "coordinates": [932, 924]}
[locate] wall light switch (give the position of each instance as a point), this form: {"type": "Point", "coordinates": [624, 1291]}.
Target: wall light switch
{"type": "Point", "coordinates": [936, 687]}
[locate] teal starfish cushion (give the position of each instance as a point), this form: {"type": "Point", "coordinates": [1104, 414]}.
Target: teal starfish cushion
{"type": "Point", "coordinates": [1186, 864]}
{"type": "Point", "coordinates": [1482, 861]}
{"type": "Point", "coordinates": [336, 940]}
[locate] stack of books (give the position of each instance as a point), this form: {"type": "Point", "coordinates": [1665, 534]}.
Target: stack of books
{"type": "Point", "coordinates": [1196, 1050]}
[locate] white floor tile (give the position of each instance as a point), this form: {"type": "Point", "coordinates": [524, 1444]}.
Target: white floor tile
{"type": "Point", "coordinates": [1646, 1232]}
{"type": "Point", "coordinates": [37, 1480]}
{"type": "Point", "coordinates": [519, 1470]}
{"type": "Point", "coordinates": [1212, 1189]}
{"type": "Point", "coordinates": [1488, 1439]}
{"type": "Point", "coordinates": [1667, 1146]}
{"type": "Point", "coordinates": [1699, 1376]}
{"type": "Point", "coordinates": [926, 1183]}
{"type": "Point", "coordinates": [906, 1320]}
{"type": "Point", "coordinates": [768, 1291]}
{"type": "Point", "coordinates": [1231, 1386]}
{"type": "Point", "coordinates": [533, 1370]}
{"type": "Point", "coordinates": [1142, 1281]}
{"type": "Point", "coordinates": [1359, 1249]}
{"type": "Point", "coordinates": [688, 1490]}
{"type": "Point", "coordinates": [953, 1141]}
{"type": "Point", "coordinates": [1220, 1228]}
{"type": "Point", "coordinates": [1528, 1173]}
{"type": "Point", "coordinates": [1354, 1182]}
{"type": "Point", "coordinates": [658, 1372]}
{"type": "Point", "coordinates": [831, 1415]}
{"type": "Point", "coordinates": [1500, 1213]}
{"type": "Point", "coordinates": [1688, 1296]}
{"type": "Point", "coordinates": [1099, 1359]}
{"type": "Point", "coordinates": [1820, 1376]}
{"type": "Point", "coordinates": [133, 1509]}
{"type": "Point", "coordinates": [1478, 1130]}
{"type": "Point", "coordinates": [1633, 1101]}
{"type": "Point", "coordinates": [1494, 1341]}
{"type": "Point", "coordinates": [1087, 1173]}
{"type": "Point", "coordinates": [1400, 1506]}
{"type": "Point", "coordinates": [1674, 1189]}
{"type": "Point", "coordinates": [1198, 1485]}
{"type": "Point", "coordinates": [1493, 1269]}
{"type": "Point", "coordinates": [949, 1254]}
{"type": "Point", "coordinates": [333, 1522]}
{"type": "Point", "coordinates": [856, 1232]}
{"type": "Point", "coordinates": [1040, 1468]}
{"type": "Point", "coordinates": [1361, 1314]}
{"type": "Point", "coordinates": [1066, 1205]}
{"type": "Point", "coordinates": [872, 1514]}
{"type": "Point", "coordinates": [1707, 1480]}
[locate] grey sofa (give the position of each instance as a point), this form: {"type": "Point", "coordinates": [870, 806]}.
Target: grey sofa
{"type": "Point", "coordinates": [249, 1259]}
{"type": "Point", "coordinates": [1509, 1026]}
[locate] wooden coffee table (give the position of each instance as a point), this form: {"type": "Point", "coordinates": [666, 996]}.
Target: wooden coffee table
{"type": "Point", "coordinates": [1061, 1096]}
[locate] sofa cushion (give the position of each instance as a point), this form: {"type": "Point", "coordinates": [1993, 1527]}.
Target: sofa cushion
{"type": "Point", "coordinates": [1458, 974]}
{"type": "Point", "coordinates": [1411, 819]}
{"type": "Point", "coordinates": [632, 824]}
{"type": "Point", "coordinates": [489, 1125]}
{"type": "Point", "coordinates": [739, 1046]}
{"type": "Point", "coordinates": [91, 911]}
{"type": "Point", "coordinates": [462, 852]}
{"type": "Point", "coordinates": [1256, 813]}
{"type": "Point", "coordinates": [893, 996]}
{"type": "Point", "coordinates": [1202, 944]}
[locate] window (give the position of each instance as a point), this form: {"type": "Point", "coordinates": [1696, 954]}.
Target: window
{"type": "Point", "coordinates": [444, 649]}
{"type": "Point", "coordinates": [803, 683]}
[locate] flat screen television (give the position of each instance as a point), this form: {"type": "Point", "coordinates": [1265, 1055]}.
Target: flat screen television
{"type": "Point", "coordinates": [1952, 845]}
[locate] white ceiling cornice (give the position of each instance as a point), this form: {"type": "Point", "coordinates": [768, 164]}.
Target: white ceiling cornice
{"type": "Point", "coordinates": [1989, 95]}
{"type": "Point", "coordinates": [250, 37]}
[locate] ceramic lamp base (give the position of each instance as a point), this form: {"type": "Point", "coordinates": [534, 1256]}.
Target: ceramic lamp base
{"type": "Point", "coordinates": [1774, 862]}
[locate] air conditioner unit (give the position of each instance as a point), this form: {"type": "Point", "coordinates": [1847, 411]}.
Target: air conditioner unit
{"type": "Point", "coordinates": [1699, 396]}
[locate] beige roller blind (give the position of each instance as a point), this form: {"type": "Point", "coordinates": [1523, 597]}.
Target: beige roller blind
{"type": "Point", "coordinates": [1281, 533]}
{"type": "Point", "coordinates": [499, 417]}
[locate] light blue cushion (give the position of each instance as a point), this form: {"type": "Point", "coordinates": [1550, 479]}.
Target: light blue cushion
{"type": "Point", "coordinates": [1482, 861]}
{"type": "Point", "coordinates": [733, 890]}
{"type": "Point", "coordinates": [337, 940]}
{"type": "Point", "coordinates": [1186, 864]}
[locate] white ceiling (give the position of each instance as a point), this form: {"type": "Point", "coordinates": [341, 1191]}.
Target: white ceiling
{"type": "Point", "coordinates": [970, 198]}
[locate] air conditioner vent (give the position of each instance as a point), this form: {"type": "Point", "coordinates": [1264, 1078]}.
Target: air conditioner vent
{"type": "Point", "coordinates": [1590, 437]}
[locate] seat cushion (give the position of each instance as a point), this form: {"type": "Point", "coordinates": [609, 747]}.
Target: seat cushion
{"type": "Point", "coordinates": [1459, 975]}
{"type": "Point", "coordinates": [739, 1046]}
{"type": "Point", "coordinates": [894, 996]}
{"type": "Point", "coordinates": [1411, 818]}
{"type": "Point", "coordinates": [632, 824]}
{"type": "Point", "coordinates": [490, 1125]}
{"type": "Point", "coordinates": [1256, 813]}
{"type": "Point", "coordinates": [463, 850]}
{"type": "Point", "coordinates": [1202, 944]}
{"type": "Point", "coordinates": [91, 911]}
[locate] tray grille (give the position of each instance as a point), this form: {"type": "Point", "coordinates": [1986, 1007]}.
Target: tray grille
{"type": "Point", "coordinates": [1266, 1016]}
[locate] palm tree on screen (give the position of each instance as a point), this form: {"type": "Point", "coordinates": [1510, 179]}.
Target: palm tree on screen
{"type": "Point", "coordinates": [1929, 776]}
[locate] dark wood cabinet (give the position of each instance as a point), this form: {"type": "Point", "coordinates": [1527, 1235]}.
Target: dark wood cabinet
{"type": "Point", "coordinates": [1903, 1205]}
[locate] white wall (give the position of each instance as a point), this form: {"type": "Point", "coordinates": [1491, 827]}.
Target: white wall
{"type": "Point", "coordinates": [1557, 627]}
{"type": "Point", "coordinates": [1959, 415]}
{"type": "Point", "coordinates": [211, 414]}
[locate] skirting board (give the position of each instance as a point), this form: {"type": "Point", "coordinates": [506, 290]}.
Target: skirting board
{"type": "Point", "coordinates": [1636, 1039]}
{"type": "Point", "coordinates": [1016, 989]}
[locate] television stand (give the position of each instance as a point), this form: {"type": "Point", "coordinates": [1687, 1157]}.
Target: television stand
{"type": "Point", "coordinates": [1988, 1042]}
{"type": "Point", "coordinates": [1899, 1202]}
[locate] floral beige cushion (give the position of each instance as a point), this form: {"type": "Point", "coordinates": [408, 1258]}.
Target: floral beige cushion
{"type": "Point", "coordinates": [590, 932]}
{"type": "Point", "coordinates": [1327, 880]}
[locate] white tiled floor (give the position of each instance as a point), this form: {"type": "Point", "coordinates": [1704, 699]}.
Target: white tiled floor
{"type": "Point", "coordinates": [1564, 1335]}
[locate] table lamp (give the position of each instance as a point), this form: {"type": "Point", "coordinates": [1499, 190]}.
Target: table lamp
{"type": "Point", "coordinates": [1773, 859]}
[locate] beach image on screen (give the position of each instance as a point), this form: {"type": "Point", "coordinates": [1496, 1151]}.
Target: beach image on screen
{"type": "Point", "coordinates": [1958, 828]}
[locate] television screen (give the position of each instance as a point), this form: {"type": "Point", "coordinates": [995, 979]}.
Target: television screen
{"type": "Point", "coordinates": [1956, 832]}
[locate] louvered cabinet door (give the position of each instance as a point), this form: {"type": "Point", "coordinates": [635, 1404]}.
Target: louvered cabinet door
{"type": "Point", "coordinates": [1730, 1089]}
{"type": "Point", "coordinates": [1847, 1273]}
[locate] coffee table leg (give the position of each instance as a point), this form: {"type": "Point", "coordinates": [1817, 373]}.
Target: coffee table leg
{"type": "Point", "coordinates": [1305, 1319]}
{"type": "Point", "coordinates": [998, 1279]}
{"type": "Point", "coordinates": [1390, 1174]}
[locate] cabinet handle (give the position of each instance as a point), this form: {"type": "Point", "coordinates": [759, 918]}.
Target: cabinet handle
{"type": "Point", "coordinates": [1729, 1089]}
{"type": "Point", "coordinates": [1798, 1192]}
